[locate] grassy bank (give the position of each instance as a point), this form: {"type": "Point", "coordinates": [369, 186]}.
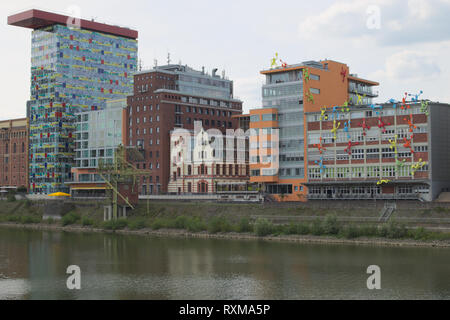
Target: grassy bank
{"type": "Point", "coordinates": [219, 219]}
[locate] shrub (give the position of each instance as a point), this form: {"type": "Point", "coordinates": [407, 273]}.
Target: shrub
{"type": "Point", "coordinates": [13, 219]}
{"type": "Point", "coordinates": [196, 225]}
{"type": "Point", "coordinates": [157, 224]}
{"type": "Point", "coordinates": [396, 231]}
{"type": "Point", "coordinates": [87, 222]}
{"type": "Point", "coordinates": [291, 228]}
{"type": "Point", "coordinates": [137, 224]}
{"type": "Point", "coordinates": [181, 222]}
{"type": "Point", "coordinates": [349, 232]}
{"type": "Point", "coordinates": [244, 226]}
{"type": "Point", "coordinates": [418, 234]}
{"type": "Point", "coordinates": [70, 218]}
{"type": "Point", "coordinates": [50, 221]}
{"type": "Point", "coordinates": [217, 224]}
{"type": "Point", "coordinates": [11, 198]}
{"type": "Point", "coordinates": [263, 228]}
{"type": "Point", "coordinates": [368, 231]}
{"type": "Point", "coordinates": [316, 227]}
{"type": "Point", "coordinates": [29, 219]}
{"type": "Point", "coordinates": [383, 231]}
{"type": "Point", "coordinates": [331, 225]}
{"type": "Point", "coordinates": [303, 229]}
{"type": "Point", "coordinates": [115, 224]}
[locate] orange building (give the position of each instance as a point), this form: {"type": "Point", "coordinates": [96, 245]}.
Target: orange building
{"type": "Point", "coordinates": [277, 144]}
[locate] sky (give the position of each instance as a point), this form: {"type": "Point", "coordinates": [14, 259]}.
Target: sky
{"type": "Point", "coordinates": [403, 44]}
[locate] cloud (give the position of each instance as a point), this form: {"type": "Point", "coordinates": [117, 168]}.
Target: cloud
{"type": "Point", "coordinates": [401, 22]}
{"type": "Point", "coordinates": [412, 65]}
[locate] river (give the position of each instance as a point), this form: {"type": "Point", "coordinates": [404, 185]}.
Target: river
{"type": "Point", "coordinates": [33, 265]}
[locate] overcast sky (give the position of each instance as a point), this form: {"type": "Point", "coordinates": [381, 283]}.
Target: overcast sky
{"type": "Point", "coordinates": [406, 50]}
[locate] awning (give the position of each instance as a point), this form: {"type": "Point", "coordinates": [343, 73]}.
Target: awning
{"type": "Point", "coordinates": [89, 188]}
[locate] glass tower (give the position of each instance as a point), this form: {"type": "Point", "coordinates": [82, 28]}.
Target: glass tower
{"type": "Point", "coordinates": [284, 91]}
{"type": "Point", "coordinates": [72, 70]}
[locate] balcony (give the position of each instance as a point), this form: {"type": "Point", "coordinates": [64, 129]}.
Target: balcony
{"type": "Point", "coordinates": [363, 91]}
{"type": "Point", "coordinates": [364, 197]}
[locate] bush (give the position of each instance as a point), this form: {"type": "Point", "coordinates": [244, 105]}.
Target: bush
{"type": "Point", "coordinates": [263, 228]}
{"type": "Point", "coordinates": [349, 232]}
{"type": "Point", "coordinates": [29, 219]}
{"type": "Point", "coordinates": [157, 224]}
{"type": "Point", "coordinates": [115, 224]}
{"type": "Point", "coordinates": [11, 198]}
{"type": "Point", "coordinates": [137, 224]}
{"type": "Point", "coordinates": [22, 189]}
{"type": "Point", "coordinates": [70, 218]}
{"type": "Point", "coordinates": [87, 222]}
{"type": "Point", "coordinates": [13, 219]}
{"type": "Point", "coordinates": [217, 225]}
{"type": "Point", "coordinates": [196, 225]}
{"type": "Point", "coordinates": [303, 229]}
{"type": "Point", "coordinates": [368, 231]}
{"type": "Point", "coordinates": [50, 221]}
{"type": "Point", "coordinates": [181, 222]}
{"type": "Point", "coordinates": [419, 234]}
{"type": "Point", "coordinates": [331, 225]}
{"type": "Point", "coordinates": [396, 231]}
{"type": "Point", "coordinates": [316, 228]}
{"type": "Point", "coordinates": [244, 226]}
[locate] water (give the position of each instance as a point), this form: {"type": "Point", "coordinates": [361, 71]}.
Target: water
{"type": "Point", "coordinates": [33, 266]}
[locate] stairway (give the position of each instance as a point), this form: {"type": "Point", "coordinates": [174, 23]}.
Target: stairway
{"type": "Point", "coordinates": [388, 210]}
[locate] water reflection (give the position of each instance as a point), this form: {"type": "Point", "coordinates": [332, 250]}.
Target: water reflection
{"type": "Point", "coordinates": [33, 266]}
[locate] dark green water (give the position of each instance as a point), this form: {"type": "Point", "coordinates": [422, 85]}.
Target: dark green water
{"type": "Point", "coordinates": [33, 266]}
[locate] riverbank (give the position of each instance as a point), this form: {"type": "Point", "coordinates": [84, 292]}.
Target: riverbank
{"type": "Point", "coordinates": [174, 233]}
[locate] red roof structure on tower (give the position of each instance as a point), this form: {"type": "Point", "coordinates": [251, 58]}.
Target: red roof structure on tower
{"type": "Point", "coordinates": [35, 19]}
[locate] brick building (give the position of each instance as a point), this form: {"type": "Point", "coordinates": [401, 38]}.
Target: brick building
{"type": "Point", "coordinates": [389, 151]}
{"type": "Point", "coordinates": [169, 97]}
{"type": "Point", "coordinates": [14, 153]}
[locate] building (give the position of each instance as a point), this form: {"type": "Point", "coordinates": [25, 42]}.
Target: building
{"type": "Point", "coordinates": [13, 154]}
{"type": "Point", "coordinates": [208, 162]}
{"type": "Point", "coordinates": [73, 69]}
{"type": "Point", "coordinates": [170, 97]}
{"type": "Point", "coordinates": [390, 151]}
{"type": "Point", "coordinates": [277, 148]}
{"type": "Point", "coordinates": [97, 136]}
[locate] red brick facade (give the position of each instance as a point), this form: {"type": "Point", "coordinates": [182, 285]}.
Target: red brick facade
{"type": "Point", "coordinates": [157, 108]}
{"type": "Point", "coordinates": [14, 153]}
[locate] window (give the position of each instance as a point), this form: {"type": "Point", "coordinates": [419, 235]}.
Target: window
{"type": "Point", "coordinates": [254, 118]}
{"type": "Point", "coordinates": [269, 117]}
{"type": "Point", "coordinates": [315, 91]}
{"type": "Point", "coordinates": [421, 149]}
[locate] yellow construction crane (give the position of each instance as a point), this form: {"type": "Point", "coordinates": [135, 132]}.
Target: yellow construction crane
{"type": "Point", "coordinates": [121, 173]}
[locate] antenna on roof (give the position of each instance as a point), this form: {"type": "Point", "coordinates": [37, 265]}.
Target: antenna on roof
{"type": "Point", "coordinates": [168, 58]}
{"type": "Point", "coordinates": [155, 62]}
{"type": "Point", "coordinates": [140, 64]}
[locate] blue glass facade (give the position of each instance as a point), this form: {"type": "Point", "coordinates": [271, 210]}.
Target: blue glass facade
{"type": "Point", "coordinates": [73, 70]}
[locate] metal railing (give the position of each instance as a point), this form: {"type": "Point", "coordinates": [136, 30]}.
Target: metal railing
{"type": "Point", "coordinates": [364, 197]}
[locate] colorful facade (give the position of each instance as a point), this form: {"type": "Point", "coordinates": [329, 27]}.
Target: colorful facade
{"type": "Point", "coordinates": [73, 70]}
{"type": "Point", "coordinates": [390, 152]}
{"type": "Point", "coordinates": [277, 146]}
